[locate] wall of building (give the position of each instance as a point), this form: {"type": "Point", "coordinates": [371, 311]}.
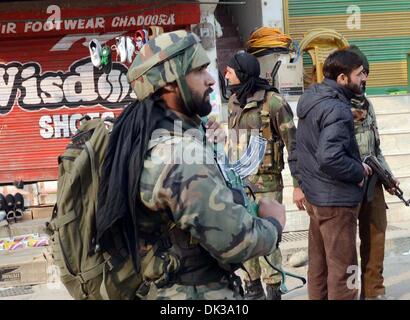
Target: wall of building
{"type": "Point", "coordinates": [272, 13]}
{"type": "Point", "coordinates": [248, 17]}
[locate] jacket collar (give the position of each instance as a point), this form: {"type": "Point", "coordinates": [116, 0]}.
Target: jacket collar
{"type": "Point", "coordinates": [344, 93]}
{"type": "Point", "coordinates": [256, 97]}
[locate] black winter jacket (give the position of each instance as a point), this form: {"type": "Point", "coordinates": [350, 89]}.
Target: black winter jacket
{"type": "Point", "coordinates": [329, 166]}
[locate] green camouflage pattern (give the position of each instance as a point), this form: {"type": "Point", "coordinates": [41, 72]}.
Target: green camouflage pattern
{"type": "Point", "coordinates": [199, 202]}
{"type": "Point", "coordinates": [211, 291]}
{"type": "Point", "coordinates": [266, 183]}
{"type": "Point", "coordinates": [258, 268]}
{"type": "Point", "coordinates": [165, 59]}
{"type": "Point", "coordinates": [367, 132]}
{"type": "Point", "coordinates": [251, 117]}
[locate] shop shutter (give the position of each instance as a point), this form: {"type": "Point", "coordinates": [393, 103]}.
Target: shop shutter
{"type": "Point", "coordinates": [384, 34]}
{"type": "Point", "coordinates": [47, 80]}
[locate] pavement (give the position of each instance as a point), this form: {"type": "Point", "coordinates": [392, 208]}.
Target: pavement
{"type": "Point", "coordinates": [396, 263]}
{"type": "Point", "coordinates": [396, 272]}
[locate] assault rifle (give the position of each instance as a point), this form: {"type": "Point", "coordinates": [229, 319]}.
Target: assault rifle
{"type": "Point", "coordinates": [385, 177]}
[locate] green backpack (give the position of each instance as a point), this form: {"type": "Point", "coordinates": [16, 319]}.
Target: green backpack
{"type": "Point", "coordinates": [86, 271]}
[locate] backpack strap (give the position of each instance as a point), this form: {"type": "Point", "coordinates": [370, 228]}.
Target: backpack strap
{"type": "Point", "coordinates": [272, 130]}
{"type": "Point", "coordinates": [62, 220]}
{"type": "Point", "coordinates": [93, 165]}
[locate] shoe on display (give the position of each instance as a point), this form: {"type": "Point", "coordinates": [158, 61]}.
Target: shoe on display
{"type": "Point", "coordinates": [130, 49]}
{"type": "Point", "coordinates": [19, 211]}
{"type": "Point", "coordinates": [121, 48]}
{"type": "Point", "coordinates": [146, 37]}
{"type": "Point", "coordinates": [106, 59]}
{"type": "Point", "coordinates": [95, 52]}
{"type": "Point", "coordinates": [139, 39]}
{"type": "Point", "coordinates": [3, 215]}
{"type": "Point", "coordinates": [10, 207]}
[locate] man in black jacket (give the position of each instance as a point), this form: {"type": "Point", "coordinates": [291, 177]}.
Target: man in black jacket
{"type": "Point", "coordinates": [331, 175]}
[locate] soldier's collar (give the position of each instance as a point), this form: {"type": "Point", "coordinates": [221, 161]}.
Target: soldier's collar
{"type": "Point", "coordinates": [188, 122]}
{"type": "Point", "coordinates": [257, 96]}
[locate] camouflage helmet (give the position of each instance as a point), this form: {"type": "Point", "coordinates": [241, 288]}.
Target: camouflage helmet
{"type": "Point", "coordinates": [165, 59]}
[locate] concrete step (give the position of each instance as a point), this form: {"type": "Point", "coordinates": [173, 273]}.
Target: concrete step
{"type": "Point", "coordinates": [399, 164]}
{"type": "Point", "coordinates": [398, 143]}
{"type": "Point", "coordinates": [394, 123]}
{"type": "Point", "coordinates": [391, 104]}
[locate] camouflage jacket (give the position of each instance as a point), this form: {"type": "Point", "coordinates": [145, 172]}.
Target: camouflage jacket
{"type": "Point", "coordinates": [252, 116]}
{"type": "Point", "coordinates": [367, 132]}
{"type": "Point", "coordinates": [177, 188]}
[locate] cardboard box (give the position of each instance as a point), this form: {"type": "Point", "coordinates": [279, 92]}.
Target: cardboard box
{"type": "Point", "coordinates": [289, 78]}
{"type": "Point", "coordinates": [23, 267]}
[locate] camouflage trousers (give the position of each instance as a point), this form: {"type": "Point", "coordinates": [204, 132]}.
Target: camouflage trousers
{"type": "Point", "coordinates": [211, 291]}
{"type": "Point", "coordinates": [258, 267]}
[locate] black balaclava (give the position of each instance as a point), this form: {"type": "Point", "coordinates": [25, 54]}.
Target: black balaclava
{"type": "Point", "coordinates": [247, 70]}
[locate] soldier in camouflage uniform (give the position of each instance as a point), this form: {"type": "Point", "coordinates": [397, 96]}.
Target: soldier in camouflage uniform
{"type": "Point", "coordinates": [254, 107]}
{"type": "Point", "coordinates": [372, 215]}
{"type": "Point", "coordinates": [199, 233]}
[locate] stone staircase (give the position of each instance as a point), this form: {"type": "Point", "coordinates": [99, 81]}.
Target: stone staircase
{"type": "Point", "coordinates": [393, 118]}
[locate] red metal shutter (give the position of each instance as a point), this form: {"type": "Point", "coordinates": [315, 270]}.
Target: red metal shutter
{"type": "Point", "coordinates": [47, 80]}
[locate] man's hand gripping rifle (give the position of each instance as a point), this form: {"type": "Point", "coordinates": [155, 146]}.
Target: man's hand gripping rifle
{"type": "Point", "coordinates": [385, 177]}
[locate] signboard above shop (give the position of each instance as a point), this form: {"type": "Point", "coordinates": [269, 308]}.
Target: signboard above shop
{"type": "Point", "coordinates": [56, 20]}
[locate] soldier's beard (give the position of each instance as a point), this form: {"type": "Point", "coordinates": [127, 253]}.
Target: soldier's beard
{"type": "Point", "coordinates": [202, 103]}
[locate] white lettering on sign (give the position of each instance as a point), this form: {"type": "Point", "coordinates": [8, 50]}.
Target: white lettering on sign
{"type": "Point", "coordinates": [141, 20]}
{"type": "Point", "coordinates": [65, 126]}
{"type": "Point", "coordinates": [6, 28]}
{"type": "Point", "coordinates": [82, 85]}
{"type": "Point", "coordinates": [53, 21]}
